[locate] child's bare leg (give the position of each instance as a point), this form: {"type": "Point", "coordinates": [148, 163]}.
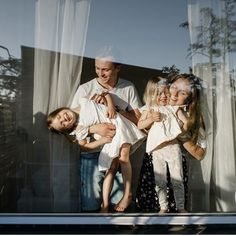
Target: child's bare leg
{"type": "Point", "coordinates": [108, 184]}
{"type": "Point", "coordinates": [126, 171]}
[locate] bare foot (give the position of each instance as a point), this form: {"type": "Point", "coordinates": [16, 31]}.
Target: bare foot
{"type": "Point", "coordinates": [104, 209]}
{"type": "Point", "coordinates": [162, 211]}
{"type": "Point", "coordinates": [123, 204]}
{"type": "Point", "coordinates": [182, 211]}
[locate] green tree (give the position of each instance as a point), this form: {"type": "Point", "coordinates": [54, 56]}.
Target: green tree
{"type": "Point", "coordinates": [207, 37]}
{"type": "Point", "coordinates": [228, 26]}
{"type": "Point", "coordinates": [10, 65]}
{"type": "Point", "coordinates": [216, 35]}
{"type": "Point", "coordinates": [10, 72]}
{"type": "Point", "coordinates": [170, 70]}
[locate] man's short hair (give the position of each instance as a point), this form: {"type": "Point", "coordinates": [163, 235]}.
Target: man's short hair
{"type": "Point", "coordinates": [111, 53]}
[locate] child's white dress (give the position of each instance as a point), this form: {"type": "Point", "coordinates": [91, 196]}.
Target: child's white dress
{"type": "Point", "coordinates": [160, 132]}
{"type": "Point", "coordinates": [165, 130]}
{"type": "Point", "coordinates": [126, 131]}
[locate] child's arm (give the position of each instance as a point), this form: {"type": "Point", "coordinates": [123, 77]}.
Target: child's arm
{"type": "Point", "coordinates": [148, 118]}
{"type": "Point", "coordinates": [85, 145]}
{"type": "Point", "coordinates": [81, 133]}
{"type": "Point", "coordinates": [111, 109]}
{"type": "Point", "coordinates": [132, 115]}
{"type": "Point", "coordinates": [103, 129]}
{"type": "Point", "coordinates": [145, 121]}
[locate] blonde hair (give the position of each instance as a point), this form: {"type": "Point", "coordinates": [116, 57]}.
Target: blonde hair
{"type": "Point", "coordinates": [151, 90]}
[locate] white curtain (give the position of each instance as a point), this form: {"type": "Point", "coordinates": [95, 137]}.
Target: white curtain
{"type": "Point", "coordinates": [60, 35]}
{"type": "Point", "coordinates": [212, 30]}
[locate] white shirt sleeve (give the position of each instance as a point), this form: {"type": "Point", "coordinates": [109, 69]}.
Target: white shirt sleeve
{"type": "Point", "coordinates": [77, 97]}
{"type": "Point", "coordinates": [134, 101]}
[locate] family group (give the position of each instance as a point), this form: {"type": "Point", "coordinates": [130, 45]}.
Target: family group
{"type": "Point", "coordinates": [109, 122]}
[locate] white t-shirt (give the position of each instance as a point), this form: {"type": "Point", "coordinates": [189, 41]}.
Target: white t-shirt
{"type": "Point", "coordinates": [124, 94]}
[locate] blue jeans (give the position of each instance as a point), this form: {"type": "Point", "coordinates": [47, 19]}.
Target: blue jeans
{"type": "Point", "coordinates": [91, 183]}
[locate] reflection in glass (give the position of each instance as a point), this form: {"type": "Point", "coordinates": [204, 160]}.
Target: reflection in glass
{"type": "Point", "coordinates": [38, 170]}
{"type": "Point", "coordinates": [213, 34]}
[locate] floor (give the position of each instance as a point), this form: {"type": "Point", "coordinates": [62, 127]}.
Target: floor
{"type": "Point", "coordinates": [104, 229]}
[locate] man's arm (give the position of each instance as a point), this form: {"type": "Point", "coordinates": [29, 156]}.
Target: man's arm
{"type": "Point", "coordinates": [132, 115]}
{"type": "Point", "coordinates": [103, 129]}
{"type": "Point", "coordinates": [86, 146]}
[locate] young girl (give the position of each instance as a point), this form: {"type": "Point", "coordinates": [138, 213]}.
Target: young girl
{"type": "Point", "coordinates": [117, 150]}
{"type": "Point", "coordinates": [166, 123]}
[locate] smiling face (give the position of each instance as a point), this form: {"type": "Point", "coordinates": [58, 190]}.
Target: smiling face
{"type": "Point", "coordinates": [64, 120]}
{"type": "Point", "coordinates": [107, 71]}
{"type": "Point", "coordinates": [162, 95]}
{"type": "Point", "coordinates": [180, 91]}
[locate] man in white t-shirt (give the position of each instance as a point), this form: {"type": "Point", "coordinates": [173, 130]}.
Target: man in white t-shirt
{"type": "Point", "coordinates": [126, 99]}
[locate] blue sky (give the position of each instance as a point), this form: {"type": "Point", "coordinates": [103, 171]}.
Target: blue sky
{"type": "Point", "coordinates": [146, 32]}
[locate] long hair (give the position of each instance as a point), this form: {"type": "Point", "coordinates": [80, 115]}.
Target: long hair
{"type": "Point", "coordinates": [151, 90]}
{"type": "Point", "coordinates": [193, 102]}
{"type": "Point", "coordinates": [51, 117]}
{"type": "Point", "coordinates": [66, 132]}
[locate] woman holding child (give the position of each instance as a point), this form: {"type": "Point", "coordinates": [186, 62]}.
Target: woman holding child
{"type": "Point", "coordinates": [182, 125]}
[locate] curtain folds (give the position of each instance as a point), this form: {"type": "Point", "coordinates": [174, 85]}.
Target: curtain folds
{"type": "Point", "coordinates": [60, 35]}
{"type": "Point", "coordinates": [212, 34]}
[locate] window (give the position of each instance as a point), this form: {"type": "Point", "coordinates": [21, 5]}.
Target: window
{"type": "Point", "coordinates": [48, 49]}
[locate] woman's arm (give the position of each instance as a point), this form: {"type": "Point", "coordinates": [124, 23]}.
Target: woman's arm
{"type": "Point", "coordinates": [184, 119]}
{"type": "Point", "coordinates": [195, 150]}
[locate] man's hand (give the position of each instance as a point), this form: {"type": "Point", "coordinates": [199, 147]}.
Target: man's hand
{"type": "Point", "coordinates": [103, 129]}
{"type": "Point", "coordinates": [105, 140]}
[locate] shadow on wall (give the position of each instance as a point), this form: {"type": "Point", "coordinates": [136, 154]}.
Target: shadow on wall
{"type": "Point", "coordinates": [50, 180]}
{"type": "Point", "coordinates": [51, 175]}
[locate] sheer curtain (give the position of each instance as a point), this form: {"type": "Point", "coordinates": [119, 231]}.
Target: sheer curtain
{"type": "Point", "coordinates": [60, 34]}
{"type": "Point", "coordinates": [212, 27]}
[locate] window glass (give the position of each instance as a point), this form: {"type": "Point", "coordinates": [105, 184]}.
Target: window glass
{"type": "Point", "coordinates": [49, 48]}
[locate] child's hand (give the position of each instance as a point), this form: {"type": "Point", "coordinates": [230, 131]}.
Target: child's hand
{"type": "Point", "coordinates": [99, 98]}
{"type": "Point", "coordinates": [105, 139]}
{"type": "Point", "coordinates": [111, 112]}
{"type": "Point", "coordinates": [156, 116]}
